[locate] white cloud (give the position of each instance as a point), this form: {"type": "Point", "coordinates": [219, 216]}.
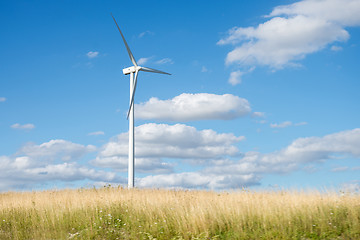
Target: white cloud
{"type": "Point", "coordinates": [336, 48]}
{"type": "Point", "coordinates": [281, 125]}
{"type": "Point", "coordinates": [293, 32]}
{"type": "Point", "coordinates": [173, 141]}
{"type": "Point", "coordinates": [191, 107]}
{"type": "Point", "coordinates": [249, 169]}
{"type": "Point", "coordinates": [262, 121]}
{"type": "Point", "coordinates": [96, 133]}
{"type": "Point", "coordinates": [343, 12]}
{"type": "Point", "coordinates": [39, 165]}
{"type": "Point", "coordinates": [61, 149]}
{"type": "Point", "coordinates": [235, 77]}
{"type": "Point", "coordinates": [92, 54]}
{"type": "Point", "coordinates": [145, 33]}
{"type": "Point", "coordinates": [14, 177]}
{"type": "Point", "coordinates": [204, 69]}
{"type": "Point", "coordinates": [2, 99]}
{"type": "Point", "coordinates": [155, 142]}
{"type": "Point", "coordinates": [68, 172]}
{"type": "Point", "coordinates": [286, 124]}
{"type": "Point", "coordinates": [142, 165]}
{"type": "Point", "coordinates": [280, 41]}
{"type": "Point", "coordinates": [258, 114]}
{"type": "Point", "coordinates": [351, 187]}
{"type": "Point", "coordinates": [143, 60]}
{"type": "Point", "coordinates": [220, 164]}
{"type": "Point", "coordinates": [197, 180]}
{"type": "Point", "coordinates": [165, 61]}
{"type": "Point", "coordinates": [27, 126]}
{"type": "Point", "coordinates": [315, 149]}
{"type": "Point", "coordinates": [340, 169]}
{"type": "Point", "coordinates": [300, 124]}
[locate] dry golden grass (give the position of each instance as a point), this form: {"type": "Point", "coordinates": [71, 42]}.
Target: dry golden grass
{"type": "Point", "coordinates": [114, 213]}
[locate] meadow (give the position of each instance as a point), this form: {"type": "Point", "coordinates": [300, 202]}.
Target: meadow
{"type": "Point", "coordinates": [116, 213]}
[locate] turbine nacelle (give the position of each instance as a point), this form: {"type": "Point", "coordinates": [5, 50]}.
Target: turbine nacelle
{"type": "Point", "coordinates": [132, 69]}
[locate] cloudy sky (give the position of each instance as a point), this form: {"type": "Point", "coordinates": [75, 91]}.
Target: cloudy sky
{"type": "Point", "coordinates": [263, 95]}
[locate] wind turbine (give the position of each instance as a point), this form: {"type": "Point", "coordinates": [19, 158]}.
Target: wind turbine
{"type": "Point", "coordinates": [130, 115]}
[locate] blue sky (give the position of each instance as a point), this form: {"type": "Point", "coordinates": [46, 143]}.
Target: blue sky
{"type": "Point", "coordinates": [262, 95]}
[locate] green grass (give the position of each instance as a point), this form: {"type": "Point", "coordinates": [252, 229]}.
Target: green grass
{"type": "Point", "coordinates": [114, 213]}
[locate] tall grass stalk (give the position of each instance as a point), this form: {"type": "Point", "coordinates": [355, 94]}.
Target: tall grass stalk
{"type": "Point", "coordinates": [115, 213]}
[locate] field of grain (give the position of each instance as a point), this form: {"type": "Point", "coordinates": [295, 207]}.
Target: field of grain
{"type": "Point", "coordinates": [116, 213]}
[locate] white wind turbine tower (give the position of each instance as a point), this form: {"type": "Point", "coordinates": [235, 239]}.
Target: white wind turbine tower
{"type": "Point", "coordinates": [130, 115]}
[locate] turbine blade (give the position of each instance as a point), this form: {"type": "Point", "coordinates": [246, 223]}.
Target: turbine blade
{"type": "Point", "coordinates": [133, 93]}
{"type": "Point", "coordinates": [146, 69]}
{"type": "Point", "coordinates": [126, 45]}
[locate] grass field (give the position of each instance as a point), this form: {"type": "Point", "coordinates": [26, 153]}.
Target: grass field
{"type": "Point", "coordinates": [115, 213]}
